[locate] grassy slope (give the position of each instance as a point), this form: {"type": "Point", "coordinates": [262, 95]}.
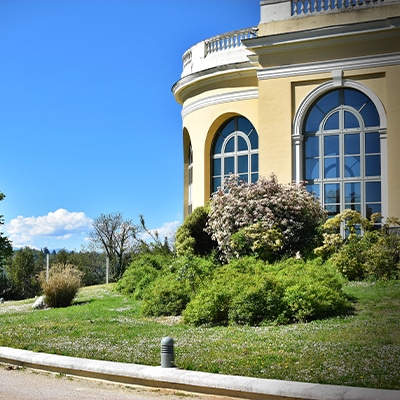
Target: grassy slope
{"type": "Point", "coordinates": [359, 350]}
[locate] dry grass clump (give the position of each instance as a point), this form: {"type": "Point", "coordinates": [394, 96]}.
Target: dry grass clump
{"type": "Point", "coordinates": [62, 285]}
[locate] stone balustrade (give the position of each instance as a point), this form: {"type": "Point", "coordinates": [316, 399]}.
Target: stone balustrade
{"type": "Point", "coordinates": [217, 50]}
{"type": "Point", "coordinates": [302, 7]}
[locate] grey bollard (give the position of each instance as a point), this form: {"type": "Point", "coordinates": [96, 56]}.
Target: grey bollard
{"type": "Point", "coordinates": [167, 353]}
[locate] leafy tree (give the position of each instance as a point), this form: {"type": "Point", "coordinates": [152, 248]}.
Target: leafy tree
{"type": "Point", "coordinates": [115, 236]}
{"type": "Point", "coordinates": [23, 272]}
{"type": "Point", "coordinates": [274, 220]}
{"type": "Point", "coordinates": [191, 238]}
{"type": "Point", "coordinates": [92, 264]}
{"type": "Point", "coordinates": [5, 244]}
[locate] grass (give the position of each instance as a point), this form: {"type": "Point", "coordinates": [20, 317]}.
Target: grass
{"type": "Point", "coordinates": [359, 350]}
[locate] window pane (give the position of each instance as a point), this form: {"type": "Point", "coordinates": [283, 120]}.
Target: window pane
{"type": "Point", "coordinates": [243, 164]}
{"type": "Point", "coordinates": [352, 192]}
{"type": "Point", "coordinates": [331, 145]}
{"type": "Point", "coordinates": [372, 208]}
{"type": "Point", "coordinates": [312, 168]}
{"type": "Point", "coordinates": [253, 139]}
{"type": "Point", "coordinates": [372, 142]}
{"type": "Point", "coordinates": [242, 145]}
{"type": "Point", "coordinates": [328, 102]}
{"type": "Point", "coordinates": [314, 189]}
{"type": "Point", "coordinates": [373, 192]}
{"type": "Point", "coordinates": [350, 120]}
{"type": "Point", "coordinates": [190, 180]}
{"type": "Point", "coordinates": [230, 146]}
{"type": "Point", "coordinates": [331, 168]}
{"type": "Point", "coordinates": [372, 165]}
{"type": "Point", "coordinates": [218, 145]}
{"type": "Point", "coordinates": [354, 98]}
{"type": "Point", "coordinates": [228, 128]}
{"type": "Point", "coordinates": [314, 119]}
{"type": "Point", "coordinates": [353, 206]}
{"type": "Point", "coordinates": [217, 166]}
{"type": "Point", "coordinates": [332, 122]}
{"type": "Point", "coordinates": [229, 165]}
{"type": "Point", "coordinates": [312, 146]}
{"type": "Point", "coordinates": [352, 144]}
{"type": "Point", "coordinates": [244, 125]}
{"type": "Point", "coordinates": [332, 193]}
{"type": "Point", "coordinates": [254, 178]}
{"type": "Point", "coordinates": [351, 166]}
{"type": "Point", "coordinates": [243, 177]}
{"type": "Point", "coordinates": [332, 210]}
{"type": "Point", "coordinates": [370, 115]}
{"type": "Point", "coordinates": [254, 163]}
{"type": "Point", "coordinates": [216, 184]}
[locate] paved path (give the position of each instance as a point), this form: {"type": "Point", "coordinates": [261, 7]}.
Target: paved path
{"type": "Point", "coordinates": [25, 384]}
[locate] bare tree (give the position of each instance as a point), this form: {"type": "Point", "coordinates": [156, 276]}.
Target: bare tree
{"type": "Point", "coordinates": [117, 237]}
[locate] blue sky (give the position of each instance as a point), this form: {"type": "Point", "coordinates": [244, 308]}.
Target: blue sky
{"type": "Point", "coordinates": [88, 123]}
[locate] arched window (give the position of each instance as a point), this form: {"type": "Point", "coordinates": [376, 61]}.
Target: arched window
{"type": "Point", "coordinates": [342, 152]}
{"type": "Point", "coordinates": [234, 151]}
{"type": "Point", "coordinates": [190, 180]}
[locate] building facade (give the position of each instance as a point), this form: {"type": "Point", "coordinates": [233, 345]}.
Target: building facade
{"type": "Point", "coordinates": [310, 94]}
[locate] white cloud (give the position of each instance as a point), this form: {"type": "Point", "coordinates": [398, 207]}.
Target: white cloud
{"type": "Point", "coordinates": [60, 225]}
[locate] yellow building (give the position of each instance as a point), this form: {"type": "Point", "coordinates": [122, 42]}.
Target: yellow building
{"type": "Point", "coordinates": [310, 94]}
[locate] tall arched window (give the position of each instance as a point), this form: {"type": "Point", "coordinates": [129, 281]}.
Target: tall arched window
{"type": "Point", "coordinates": [190, 180]}
{"type": "Point", "coordinates": [235, 151]}
{"type": "Point", "coordinates": [342, 153]}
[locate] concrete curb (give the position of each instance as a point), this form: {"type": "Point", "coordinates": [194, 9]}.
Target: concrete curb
{"type": "Point", "coordinates": [191, 381]}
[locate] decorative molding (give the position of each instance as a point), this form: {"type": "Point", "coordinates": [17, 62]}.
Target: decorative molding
{"type": "Point", "coordinates": [383, 60]}
{"type": "Point", "coordinates": [241, 95]}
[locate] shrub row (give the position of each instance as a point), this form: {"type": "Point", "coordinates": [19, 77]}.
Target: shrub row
{"type": "Point", "coordinates": [245, 292]}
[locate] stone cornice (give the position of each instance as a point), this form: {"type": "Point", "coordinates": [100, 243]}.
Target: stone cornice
{"type": "Point", "coordinates": [382, 60]}
{"type": "Point", "coordinates": [219, 99]}
{"type": "Point", "coordinates": [183, 88]}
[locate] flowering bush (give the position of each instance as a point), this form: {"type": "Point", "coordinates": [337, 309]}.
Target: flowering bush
{"type": "Point", "coordinates": [284, 219]}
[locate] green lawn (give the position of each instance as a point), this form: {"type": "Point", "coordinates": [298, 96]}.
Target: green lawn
{"type": "Point", "coordinates": [358, 350]}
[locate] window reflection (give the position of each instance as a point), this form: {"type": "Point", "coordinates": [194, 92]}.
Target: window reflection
{"type": "Point", "coordinates": [340, 135]}
{"type": "Point", "coordinates": [235, 151]}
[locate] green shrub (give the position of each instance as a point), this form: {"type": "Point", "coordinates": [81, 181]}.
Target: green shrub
{"type": "Point", "coordinates": [193, 269]}
{"type": "Point", "coordinates": [191, 238]}
{"type": "Point", "coordinates": [247, 291]}
{"type": "Point", "coordinates": [260, 301]}
{"type": "Point", "coordinates": [143, 270]}
{"type": "Point", "coordinates": [210, 307]}
{"type": "Point", "coordinates": [238, 293]}
{"type": "Point", "coordinates": [351, 257]}
{"type": "Point", "coordinates": [62, 285]}
{"type": "Point", "coordinates": [383, 258]}
{"type": "Point", "coordinates": [165, 296]}
{"type": "Point", "coordinates": [176, 285]}
{"type": "Point", "coordinates": [375, 255]}
{"type": "Point", "coordinates": [313, 289]}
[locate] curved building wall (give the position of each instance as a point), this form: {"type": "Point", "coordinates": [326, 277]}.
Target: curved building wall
{"type": "Point", "coordinates": [288, 64]}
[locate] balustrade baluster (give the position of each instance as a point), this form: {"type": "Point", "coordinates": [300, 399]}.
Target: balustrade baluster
{"type": "Point", "coordinates": [294, 7]}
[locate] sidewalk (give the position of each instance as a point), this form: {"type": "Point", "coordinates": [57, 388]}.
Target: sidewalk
{"type": "Point", "coordinates": [191, 381]}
